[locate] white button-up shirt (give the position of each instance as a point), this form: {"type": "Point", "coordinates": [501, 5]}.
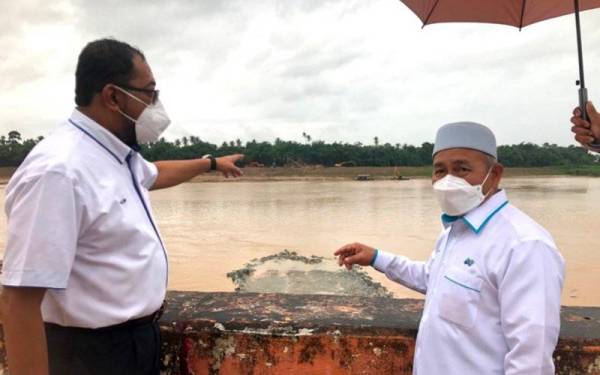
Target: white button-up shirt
{"type": "Point", "coordinates": [81, 225]}
{"type": "Point", "coordinates": [493, 287]}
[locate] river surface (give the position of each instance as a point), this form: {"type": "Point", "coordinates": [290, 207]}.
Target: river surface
{"type": "Point", "coordinates": [211, 229]}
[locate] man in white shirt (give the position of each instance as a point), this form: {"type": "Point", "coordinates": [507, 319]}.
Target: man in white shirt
{"type": "Point", "coordinates": [85, 268]}
{"type": "Point", "coordinates": [493, 282]}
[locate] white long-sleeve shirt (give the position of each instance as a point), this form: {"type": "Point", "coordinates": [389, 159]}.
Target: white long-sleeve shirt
{"type": "Point", "coordinates": [493, 287]}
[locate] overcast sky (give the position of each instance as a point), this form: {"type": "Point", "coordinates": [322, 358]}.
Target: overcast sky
{"type": "Point", "coordinates": [339, 70]}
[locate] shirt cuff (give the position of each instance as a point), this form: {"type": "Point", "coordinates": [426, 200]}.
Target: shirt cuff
{"type": "Point", "coordinates": [34, 279]}
{"type": "Point", "coordinates": [153, 176]}
{"type": "Point", "coordinates": [383, 260]}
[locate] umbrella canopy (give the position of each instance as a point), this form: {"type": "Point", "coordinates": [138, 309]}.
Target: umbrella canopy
{"type": "Point", "coordinates": [518, 13]}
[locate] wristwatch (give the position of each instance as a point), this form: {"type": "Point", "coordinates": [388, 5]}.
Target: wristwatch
{"type": "Point", "coordinates": [213, 161]}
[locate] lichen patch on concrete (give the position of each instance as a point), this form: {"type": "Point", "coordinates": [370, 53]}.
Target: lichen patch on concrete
{"type": "Point", "coordinates": [291, 273]}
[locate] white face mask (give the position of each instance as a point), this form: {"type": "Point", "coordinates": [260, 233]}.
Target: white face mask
{"type": "Point", "coordinates": [456, 196]}
{"type": "Point", "coordinates": [153, 120]}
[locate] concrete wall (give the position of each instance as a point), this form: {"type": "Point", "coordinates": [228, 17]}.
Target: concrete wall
{"type": "Point", "coordinates": [231, 333]}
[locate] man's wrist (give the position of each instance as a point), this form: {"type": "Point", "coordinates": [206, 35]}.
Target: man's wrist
{"type": "Point", "coordinates": [213, 162]}
{"type": "Point", "coordinates": [374, 258]}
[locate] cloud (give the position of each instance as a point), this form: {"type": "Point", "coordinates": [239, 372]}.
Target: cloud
{"type": "Point", "coordinates": [340, 70]}
{"type": "Point", "coordinates": [316, 61]}
{"type": "Point", "coordinates": [23, 37]}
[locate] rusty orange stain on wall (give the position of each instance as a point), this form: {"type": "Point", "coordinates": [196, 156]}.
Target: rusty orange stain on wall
{"type": "Point", "coordinates": [242, 353]}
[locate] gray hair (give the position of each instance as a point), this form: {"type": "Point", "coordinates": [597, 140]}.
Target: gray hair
{"type": "Point", "coordinates": [490, 161]}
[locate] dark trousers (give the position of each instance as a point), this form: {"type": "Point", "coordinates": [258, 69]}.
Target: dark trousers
{"type": "Point", "coordinates": [122, 350]}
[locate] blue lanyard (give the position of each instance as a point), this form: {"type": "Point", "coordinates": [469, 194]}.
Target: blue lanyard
{"type": "Point", "coordinates": [139, 193]}
{"type": "Point", "coordinates": [135, 185]}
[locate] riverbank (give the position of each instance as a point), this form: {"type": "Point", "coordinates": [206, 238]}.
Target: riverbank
{"type": "Point", "coordinates": [6, 173]}
{"type": "Point", "coordinates": [387, 173]}
{"type": "Point", "coordinates": [376, 173]}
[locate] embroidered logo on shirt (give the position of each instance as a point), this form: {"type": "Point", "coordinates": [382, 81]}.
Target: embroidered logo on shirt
{"type": "Point", "coordinates": [469, 262]}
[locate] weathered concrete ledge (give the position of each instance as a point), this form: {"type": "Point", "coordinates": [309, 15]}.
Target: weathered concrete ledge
{"type": "Point", "coordinates": [249, 333]}
{"type": "Point", "coordinates": [231, 333]}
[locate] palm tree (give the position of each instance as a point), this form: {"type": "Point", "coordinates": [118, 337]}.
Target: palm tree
{"type": "Point", "coordinates": [14, 137]}
{"type": "Point", "coordinates": [306, 136]}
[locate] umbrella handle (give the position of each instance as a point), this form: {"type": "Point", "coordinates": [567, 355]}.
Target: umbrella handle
{"type": "Point", "coordinates": [583, 96]}
{"type": "Point", "coordinates": [583, 99]}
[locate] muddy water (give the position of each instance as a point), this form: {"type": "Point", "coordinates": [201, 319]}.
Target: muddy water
{"type": "Point", "coordinates": [214, 228]}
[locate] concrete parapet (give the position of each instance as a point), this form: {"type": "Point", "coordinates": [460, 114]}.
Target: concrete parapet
{"type": "Point", "coordinates": [247, 333]}
{"type": "Point", "coordinates": [250, 333]}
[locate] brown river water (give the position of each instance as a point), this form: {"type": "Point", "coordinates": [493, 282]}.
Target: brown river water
{"type": "Point", "coordinates": [211, 229]}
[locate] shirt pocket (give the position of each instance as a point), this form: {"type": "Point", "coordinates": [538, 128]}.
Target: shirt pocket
{"type": "Point", "coordinates": [460, 294]}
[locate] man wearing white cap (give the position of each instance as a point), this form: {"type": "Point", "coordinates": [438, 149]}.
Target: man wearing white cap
{"type": "Point", "coordinates": [494, 280]}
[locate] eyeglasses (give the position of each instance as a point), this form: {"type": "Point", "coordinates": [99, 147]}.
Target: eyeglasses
{"type": "Point", "coordinates": [152, 93]}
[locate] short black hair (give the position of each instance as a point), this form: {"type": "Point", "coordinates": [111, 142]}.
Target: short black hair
{"type": "Point", "coordinates": [101, 62]}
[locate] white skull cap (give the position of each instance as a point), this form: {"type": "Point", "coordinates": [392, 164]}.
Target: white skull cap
{"type": "Point", "coordinates": [465, 135]}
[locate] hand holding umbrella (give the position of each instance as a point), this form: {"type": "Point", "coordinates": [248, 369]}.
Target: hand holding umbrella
{"type": "Point", "coordinates": [587, 131]}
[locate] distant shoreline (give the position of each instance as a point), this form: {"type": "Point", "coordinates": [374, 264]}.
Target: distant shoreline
{"type": "Point", "coordinates": [312, 173]}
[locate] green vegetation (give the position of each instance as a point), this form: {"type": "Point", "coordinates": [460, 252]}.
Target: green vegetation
{"type": "Point", "coordinates": [13, 149]}
{"type": "Point", "coordinates": [564, 160]}
{"type": "Point", "coordinates": [585, 170]}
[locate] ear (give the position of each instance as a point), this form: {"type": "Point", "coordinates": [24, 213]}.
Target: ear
{"type": "Point", "coordinates": [497, 171]}
{"type": "Point", "coordinates": [110, 97]}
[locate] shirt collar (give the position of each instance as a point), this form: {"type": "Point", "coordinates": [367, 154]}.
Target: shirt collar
{"type": "Point", "coordinates": [113, 145]}
{"type": "Point", "coordinates": [477, 218]}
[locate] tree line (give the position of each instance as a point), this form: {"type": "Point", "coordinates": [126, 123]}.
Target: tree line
{"type": "Point", "coordinates": [14, 149]}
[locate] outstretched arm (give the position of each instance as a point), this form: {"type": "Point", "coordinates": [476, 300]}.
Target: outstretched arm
{"type": "Point", "coordinates": [174, 172]}
{"type": "Point", "coordinates": [414, 275]}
